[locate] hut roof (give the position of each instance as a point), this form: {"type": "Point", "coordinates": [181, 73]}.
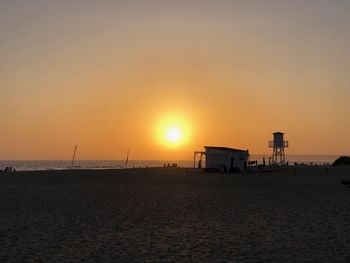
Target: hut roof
{"type": "Point", "coordinates": [224, 149]}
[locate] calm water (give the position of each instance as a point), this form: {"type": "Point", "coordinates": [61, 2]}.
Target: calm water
{"type": "Point", "coordinates": [119, 164]}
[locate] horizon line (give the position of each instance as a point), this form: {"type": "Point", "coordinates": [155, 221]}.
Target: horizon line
{"type": "Point", "coordinates": [158, 159]}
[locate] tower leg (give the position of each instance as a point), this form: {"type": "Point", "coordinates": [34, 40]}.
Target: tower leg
{"type": "Point", "coordinates": [278, 156]}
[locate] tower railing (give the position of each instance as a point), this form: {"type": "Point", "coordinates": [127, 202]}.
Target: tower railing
{"type": "Point", "coordinates": [273, 144]}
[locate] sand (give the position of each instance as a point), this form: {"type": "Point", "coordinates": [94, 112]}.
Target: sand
{"type": "Point", "coordinates": [172, 215]}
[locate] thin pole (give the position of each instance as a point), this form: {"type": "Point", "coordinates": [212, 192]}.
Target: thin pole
{"type": "Point", "coordinates": [127, 158]}
{"type": "Point", "coordinates": [73, 159]}
{"type": "Point", "coordinates": [194, 160]}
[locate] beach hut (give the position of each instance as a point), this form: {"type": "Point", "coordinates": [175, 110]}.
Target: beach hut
{"type": "Point", "coordinates": [225, 159]}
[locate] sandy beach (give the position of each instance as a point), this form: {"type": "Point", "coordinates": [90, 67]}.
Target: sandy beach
{"type": "Point", "coordinates": [173, 215]}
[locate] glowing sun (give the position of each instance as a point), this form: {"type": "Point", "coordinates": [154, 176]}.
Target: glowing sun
{"type": "Point", "coordinates": [173, 131]}
{"type": "Point", "coordinates": [173, 134]}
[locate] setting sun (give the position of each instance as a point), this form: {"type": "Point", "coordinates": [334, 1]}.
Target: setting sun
{"type": "Point", "coordinates": [172, 131]}
{"type": "Point", "coordinates": [173, 134]}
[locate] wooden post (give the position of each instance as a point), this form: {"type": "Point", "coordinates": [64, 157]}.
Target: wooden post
{"type": "Point", "coordinates": [73, 159]}
{"type": "Point", "coordinates": [194, 160]}
{"type": "Point", "coordinates": [127, 158]}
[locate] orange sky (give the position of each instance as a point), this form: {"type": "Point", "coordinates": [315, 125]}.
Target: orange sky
{"type": "Point", "coordinates": [104, 74]}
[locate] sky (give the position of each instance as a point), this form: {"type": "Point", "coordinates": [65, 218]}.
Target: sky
{"type": "Point", "coordinates": [106, 75]}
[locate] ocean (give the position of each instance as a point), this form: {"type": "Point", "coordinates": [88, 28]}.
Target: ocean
{"type": "Point", "coordinates": [33, 165]}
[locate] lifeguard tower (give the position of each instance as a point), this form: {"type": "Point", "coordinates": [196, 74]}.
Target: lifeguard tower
{"type": "Point", "coordinates": [278, 144]}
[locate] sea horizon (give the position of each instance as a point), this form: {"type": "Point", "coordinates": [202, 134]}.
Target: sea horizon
{"type": "Point", "coordinates": [28, 165]}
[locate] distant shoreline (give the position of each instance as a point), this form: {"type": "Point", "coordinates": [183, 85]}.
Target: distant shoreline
{"type": "Point", "coordinates": [34, 165]}
{"type": "Point", "coordinates": [252, 170]}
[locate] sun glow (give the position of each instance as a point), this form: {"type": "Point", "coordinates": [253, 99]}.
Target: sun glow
{"type": "Point", "coordinates": [172, 132]}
